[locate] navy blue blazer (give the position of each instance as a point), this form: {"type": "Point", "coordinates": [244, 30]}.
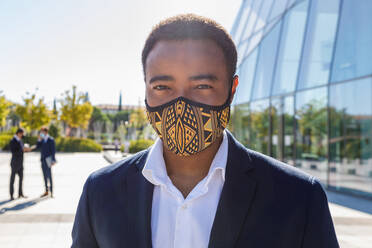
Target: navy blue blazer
{"type": "Point", "coordinates": [47, 148]}
{"type": "Point", "coordinates": [264, 203]}
{"type": "Point", "coordinates": [16, 148]}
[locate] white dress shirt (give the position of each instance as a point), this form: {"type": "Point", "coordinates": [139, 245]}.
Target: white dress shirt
{"type": "Point", "coordinates": [178, 222]}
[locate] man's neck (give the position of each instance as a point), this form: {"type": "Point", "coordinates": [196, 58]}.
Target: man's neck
{"type": "Point", "coordinates": [187, 171]}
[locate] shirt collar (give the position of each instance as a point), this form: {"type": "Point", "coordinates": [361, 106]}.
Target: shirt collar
{"type": "Point", "coordinates": [155, 171]}
{"type": "Point", "coordinates": [17, 138]}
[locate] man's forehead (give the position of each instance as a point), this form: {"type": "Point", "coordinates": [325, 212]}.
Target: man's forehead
{"type": "Point", "coordinates": [185, 49]}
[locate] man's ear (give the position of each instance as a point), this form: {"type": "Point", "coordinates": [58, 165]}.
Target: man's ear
{"type": "Point", "coordinates": [235, 83]}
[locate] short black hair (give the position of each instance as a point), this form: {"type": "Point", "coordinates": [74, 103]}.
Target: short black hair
{"type": "Point", "coordinates": [191, 26]}
{"type": "Point", "coordinates": [20, 130]}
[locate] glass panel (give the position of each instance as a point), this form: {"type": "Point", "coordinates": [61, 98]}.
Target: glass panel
{"type": "Point", "coordinates": [259, 126]}
{"type": "Point", "coordinates": [311, 132]}
{"type": "Point", "coordinates": [319, 43]}
{"type": "Point", "coordinates": [265, 11]}
{"type": "Point", "coordinates": [253, 42]}
{"type": "Point", "coordinates": [242, 47]}
{"type": "Point", "coordinates": [242, 22]}
{"type": "Point", "coordinates": [239, 124]}
{"type": "Point", "coordinates": [354, 41]}
{"type": "Point", "coordinates": [282, 121]}
{"type": "Point", "coordinates": [278, 9]}
{"type": "Point", "coordinates": [265, 64]}
{"type": "Point", "coordinates": [290, 49]}
{"type": "Point", "coordinates": [246, 73]}
{"type": "Point", "coordinates": [351, 135]}
{"type": "Point", "coordinates": [253, 15]}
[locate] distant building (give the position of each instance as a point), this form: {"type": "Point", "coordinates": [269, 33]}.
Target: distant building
{"type": "Point", "coordinates": [113, 109]}
{"type": "Point", "coordinates": [305, 90]}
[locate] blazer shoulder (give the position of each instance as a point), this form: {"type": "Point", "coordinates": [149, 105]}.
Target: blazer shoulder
{"type": "Point", "coordinates": [111, 173]}
{"type": "Point", "coordinates": [12, 141]}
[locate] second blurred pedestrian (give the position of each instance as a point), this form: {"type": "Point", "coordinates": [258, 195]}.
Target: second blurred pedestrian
{"type": "Point", "coordinates": [47, 148]}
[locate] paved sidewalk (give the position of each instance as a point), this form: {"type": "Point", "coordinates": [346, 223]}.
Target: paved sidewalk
{"type": "Point", "coordinates": [47, 222]}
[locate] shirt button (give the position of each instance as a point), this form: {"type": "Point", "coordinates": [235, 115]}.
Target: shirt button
{"type": "Point", "coordinates": [184, 206]}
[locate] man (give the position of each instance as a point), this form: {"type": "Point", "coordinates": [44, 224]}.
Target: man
{"type": "Point", "coordinates": [197, 186]}
{"type": "Point", "coordinates": [16, 163]}
{"type": "Point", "coordinates": [47, 148]}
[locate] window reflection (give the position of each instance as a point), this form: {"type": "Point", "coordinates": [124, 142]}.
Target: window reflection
{"type": "Point", "coordinates": [290, 49]}
{"type": "Point", "coordinates": [319, 42]}
{"type": "Point", "coordinates": [351, 135]}
{"type": "Point", "coordinates": [282, 122]}
{"type": "Point", "coordinates": [259, 126]}
{"type": "Point", "coordinates": [354, 42]}
{"type": "Point", "coordinates": [246, 73]}
{"type": "Point", "coordinates": [239, 124]}
{"type": "Point", "coordinates": [265, 64]}
{"type": "Point", "coordinates": [311, 132]}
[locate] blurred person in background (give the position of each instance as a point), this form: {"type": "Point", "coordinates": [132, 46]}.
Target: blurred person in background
{"type": "Point", "coordinates": [47, 147]}
{"type": "Point", "coordinates": [17, 149]}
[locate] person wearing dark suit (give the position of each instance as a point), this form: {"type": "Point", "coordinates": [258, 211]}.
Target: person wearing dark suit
{"type": "Point", "coordinates": [197, 186]}
{"type": "Point", "coordinates": [16, 163]}
{"type": "Point", "coordinates": [47, 147]}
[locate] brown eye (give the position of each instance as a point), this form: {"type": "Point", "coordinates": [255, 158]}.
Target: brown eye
{"type": "Point", "coordinates": [203, 86]}
{"type": "Point", "coordinates": [160, 87]}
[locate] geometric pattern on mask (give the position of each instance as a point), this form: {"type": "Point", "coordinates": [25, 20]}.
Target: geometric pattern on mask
{"type": "Point", "coordinates": [186, 129]}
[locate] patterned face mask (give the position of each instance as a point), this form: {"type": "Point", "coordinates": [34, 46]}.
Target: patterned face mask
{"type": "Point", "coordinates": [187, 127]}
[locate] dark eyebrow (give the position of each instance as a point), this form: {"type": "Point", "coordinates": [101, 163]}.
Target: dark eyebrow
{"type": "Point", "coordinates": [161, 78]}
{"type": "Point", "coordinates": [209, 77]}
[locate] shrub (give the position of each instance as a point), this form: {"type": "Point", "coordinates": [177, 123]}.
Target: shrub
{"type": "Point", "coordinates": [122, 148]}
{"type": "Point", "coordinates": [54, 130]}
{"type": "Point", "coordinates": [31, 140]}
{"type": "Point", "coordinates": [4, 141]}
{"type": "Point", "coordinates": [70, 144]}
{"type": "Point", "coordinates": [139, 145]}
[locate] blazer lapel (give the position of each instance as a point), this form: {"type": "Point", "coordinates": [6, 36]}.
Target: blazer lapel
{"type": "Point", "coordinates": [236, 197]}
{"type": "Point", "coordinates": [138, 206]}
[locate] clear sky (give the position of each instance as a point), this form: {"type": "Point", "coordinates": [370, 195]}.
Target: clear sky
{"type": "Point", "coordinates": [93, 44]}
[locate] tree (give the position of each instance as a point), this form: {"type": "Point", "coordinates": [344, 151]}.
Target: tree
{"type": "Point", "coordinates": [4, 110]}
{"type": "Point", "coordinates": [138, 120]}
{"type": "Point", "coordinates": [33, 115]}
{"type": "Point", "coordinates": [97, 116]}
{"type": "Point", "coordinates": [120, 107]}
{"type": "Point", "coordinates": [76, 110]}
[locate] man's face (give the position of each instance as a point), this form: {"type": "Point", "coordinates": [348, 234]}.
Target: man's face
{"type": "Point", "coordinates": [194, 69]}
{"type": "Point", "coordinates": [20, 135]}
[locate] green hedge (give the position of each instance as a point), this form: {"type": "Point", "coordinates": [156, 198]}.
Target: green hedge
{"type": "Point", "coordinates": [4, 141]}
{"type": "Point", "coordinates": [70, 144]}
{"type": "Point", "coordinates": [139, 145]}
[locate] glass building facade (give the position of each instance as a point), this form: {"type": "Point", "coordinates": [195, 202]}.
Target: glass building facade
{"type": "Point", "coordinates": [305, 91]}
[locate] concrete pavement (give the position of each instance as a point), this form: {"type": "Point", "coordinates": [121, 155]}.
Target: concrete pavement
{"type": "Point", "coordinates": [47, 222]}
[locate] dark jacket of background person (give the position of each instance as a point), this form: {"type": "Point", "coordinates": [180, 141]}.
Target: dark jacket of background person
{"type": "Point", "coordinates": [47, 148]}
{"type": "Point", "coordinates": [16, 148]}
{"type": "Point", "coordinates": [16, 164]}
{"type": "Point", "coordinates": [264, 203]}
